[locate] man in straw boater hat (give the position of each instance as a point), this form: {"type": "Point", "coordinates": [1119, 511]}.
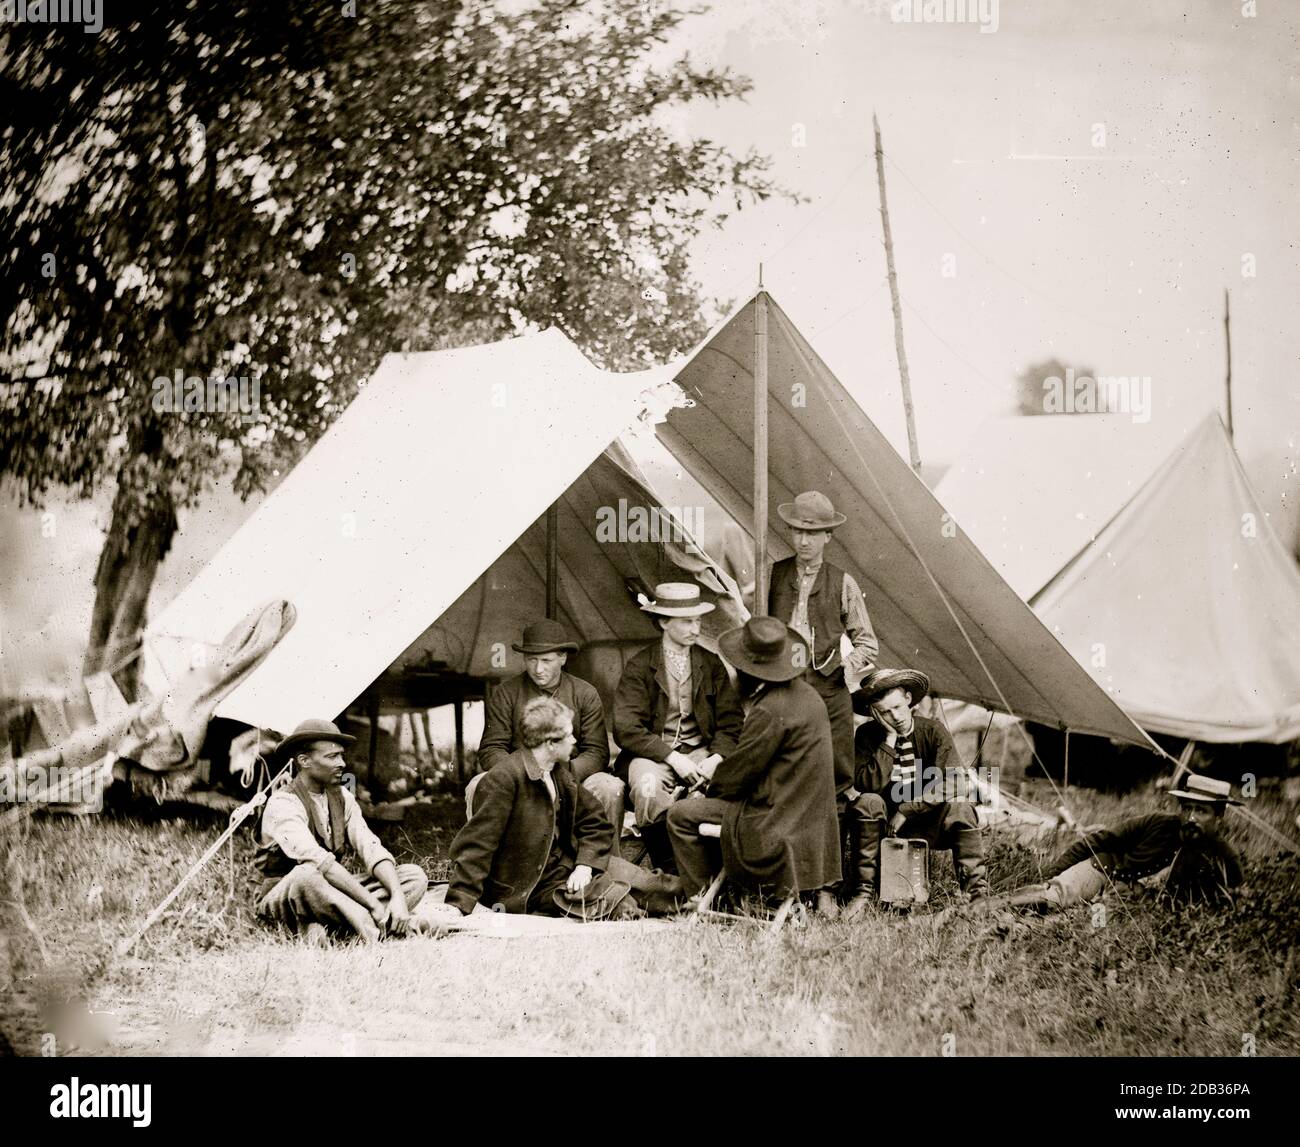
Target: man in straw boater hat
{"type": "Point", "coordinates": [546, 647]}
{"type": "Point", "coordinates": [823, 604]}
{"type": "Point", "coordinates": [774, 794]}
{"type": "Point", "coordinates": [306, 830]}
{"type": "Point", "coordinates": [910, 782]}
{"type": "Point", "coordinates": [1202, 866]}
{"type": "Point", "coordinates": [676, 713]}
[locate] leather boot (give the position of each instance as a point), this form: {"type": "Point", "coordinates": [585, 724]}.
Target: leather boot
{"type": "Point", "coordinates": [864, 839]}
{"type": "Point", "coordinates": [968, 860]}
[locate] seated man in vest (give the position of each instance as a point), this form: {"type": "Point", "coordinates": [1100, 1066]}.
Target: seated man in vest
{"type": "Point", "coordinates": [823, 603]}
{"type": "Point", "coordinates": [676, 714]}
{"type": "Point", "coordinates": [774, 795]}
{"type": "Point", "coordinates": [1187, 846]}
{"type": "Point", "coordinates": [307, 827]}
{"type": "Point", "coordinates": [907, 769]}
{"type": "Point", "coordinates": [546, 648]}
{"type": "Point", "coordinates": [537, 840]}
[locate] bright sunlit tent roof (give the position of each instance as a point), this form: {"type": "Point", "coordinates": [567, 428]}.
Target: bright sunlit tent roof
{"type": "Point", "coordinates": [1187, 605]}
{"type": "Point", "coordinates": [413, 530]}
{"type": "Point", "coordinates": [935, 601]}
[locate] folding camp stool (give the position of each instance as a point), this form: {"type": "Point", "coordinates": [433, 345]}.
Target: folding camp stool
{"type": "Point", "coordinates": [704, 907]}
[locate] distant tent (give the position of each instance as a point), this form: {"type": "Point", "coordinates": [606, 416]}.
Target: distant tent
{"type": "Point", "coordinates": [1193, 601]}
{"type": "Point", "coordinates": [1150, 559]}
{"type": "Point", "coordinates": [898, 541]}
{"type": "Point", "coordinates": [412, 534]}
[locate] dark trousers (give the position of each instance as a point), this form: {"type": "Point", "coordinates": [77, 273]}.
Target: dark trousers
{"type": "Point", "coordinates": [698, 858]}
{"type": "Point", "coordinates": [839, 708]}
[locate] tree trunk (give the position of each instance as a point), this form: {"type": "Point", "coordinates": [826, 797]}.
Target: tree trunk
{"type": "Point", "coordinates": [136, 544]}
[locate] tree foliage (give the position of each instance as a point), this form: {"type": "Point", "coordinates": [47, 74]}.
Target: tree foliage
{"type": "Point", "coordinates": [286, 192]}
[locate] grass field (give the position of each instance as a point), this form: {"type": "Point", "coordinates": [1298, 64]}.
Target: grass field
{"type": "Point", "coordinates": [1144, 980]}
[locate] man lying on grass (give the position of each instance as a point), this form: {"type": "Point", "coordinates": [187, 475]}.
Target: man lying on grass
{"type": "Point", "coordinates": [307, 827]}
{"type": "Point", "coordinates": [1201, 866]}
{"type": "Point", "coordinates": [537, 840]}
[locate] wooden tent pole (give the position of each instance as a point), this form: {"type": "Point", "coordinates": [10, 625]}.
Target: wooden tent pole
{"type": "Point", "coordinates": [552, 560]}
{"type": "Point", "coordinates": [1067, 760]}
{"type": "Point", "coordinates": [760, 449]}
{"type": "Point", "coordinates": [913, 450]}
{"type": "Point", "coordinates": [1227, 339]}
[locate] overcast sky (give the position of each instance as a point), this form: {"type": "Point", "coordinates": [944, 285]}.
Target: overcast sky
{"type": "Point", "coordinates": [1113, 256]}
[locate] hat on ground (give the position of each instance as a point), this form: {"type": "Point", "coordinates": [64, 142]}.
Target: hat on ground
{"type": "Point", "coordinates": [545, 637]}
{"type": "Point", "coordinates": [676, 599]}
{"type": "Point", "coordinates": [811, 510]}
{"type": "Point", "coordinates": [880, 681]}
{"type": "Point", "coordinates": [1204, 790]}
{"type": "Point", "coordinates": [766, 648]}
{"type": "Point", "coordinates": [312, 729]}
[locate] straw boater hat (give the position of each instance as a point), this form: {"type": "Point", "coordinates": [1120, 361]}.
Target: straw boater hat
{"type": "Point", "coordinates": [766, 648]}
{"type": "Point", "coordinates": [811, 510]}
{"type": "Point", "coordinates": [545, 637]}
{"type": "Point", "coordinates": [1204, 790]}
{"type": "Point", "coordinates": [880, 681]}
{"type": "Point", "coordinates": [313, 729]}
{"type": "Point", "coordinates": [676, 599]}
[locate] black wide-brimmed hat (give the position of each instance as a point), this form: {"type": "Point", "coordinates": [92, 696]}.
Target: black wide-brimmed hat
{"type": "Point", "coordinates": [312, 729]}
{"type": "Point", "coordinates": [766, 648]}
{"type": "Point", "coordinates": [880, 681]}
{"type": "Point", "coordinates": [545, 637]}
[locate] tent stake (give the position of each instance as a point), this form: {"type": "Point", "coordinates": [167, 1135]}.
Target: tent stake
{"type": "Point", "coordinates": [760, 450]}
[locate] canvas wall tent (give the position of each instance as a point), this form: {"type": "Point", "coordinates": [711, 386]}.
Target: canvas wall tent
{"type": "Point", "coordinates": [389, 536]}
{"type": "Point", "coordinates": [410, 532]}
{"type": "Point", "coordinates": [1151, 560]}
{"type": "Point", "coordinates": [935, 601]}
{"type": "Point", "coordinates": [1192, 600]}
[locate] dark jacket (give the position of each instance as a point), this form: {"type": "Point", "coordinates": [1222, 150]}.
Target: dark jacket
{"type": "Point", "coordinates": [504, 714]}
{"type": "Point", "coordinates": [501, 854]}
{"type": "Point", "coordinates": [781, 831]}
{"type": "Point", "coordinates": [874, 760]}
{"type": "Point", "coordinates": [824, 609]}
{"type": "Point", "coordinates": [644, 700]}
{"type": "Point", "coordinates": [1143, 845]}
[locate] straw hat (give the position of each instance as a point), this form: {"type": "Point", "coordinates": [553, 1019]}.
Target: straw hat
{"type": "Point", "coordinates": [676, 599]}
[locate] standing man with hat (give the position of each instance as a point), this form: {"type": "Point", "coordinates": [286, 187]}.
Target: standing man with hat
{"type": "Point", "coordinates": [823, 603]}
{"type": "Point", "coordinates": [546, 648]}
{"type": "Point", "coordinates": [774, 794]}
{"type": "Point", "coordinates": [305, 831]}
{"type": "Point", "coordinates": [676, 713]}
{"type": "Point", "coordinates": [908, 775]}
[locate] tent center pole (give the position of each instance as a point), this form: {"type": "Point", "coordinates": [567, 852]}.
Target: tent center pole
{"type": "Point", "coordinates": [552, 560]}
{"type": "Point", "coordinates": [760, 451]}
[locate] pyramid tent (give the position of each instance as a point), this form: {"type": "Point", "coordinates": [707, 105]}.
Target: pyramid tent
{"type": "Point", "coordinates": [413, 532]}
{"type": "Point", "coordinates": [1186, 605]}
{"type": "Point", "coordinates": [935, 601]}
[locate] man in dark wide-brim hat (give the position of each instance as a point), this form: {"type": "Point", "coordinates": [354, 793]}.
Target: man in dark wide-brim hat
{"type": "Point", "coordinates": [824, 604]}
{"type": "Point", "coordinates": [774, 794]}
{"type": "Point", "coordinates": [911, 782]}
{"type": "Point", "coordinates": [546, 646]}
{"type": "Point", "coordinates": [308, 829]}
